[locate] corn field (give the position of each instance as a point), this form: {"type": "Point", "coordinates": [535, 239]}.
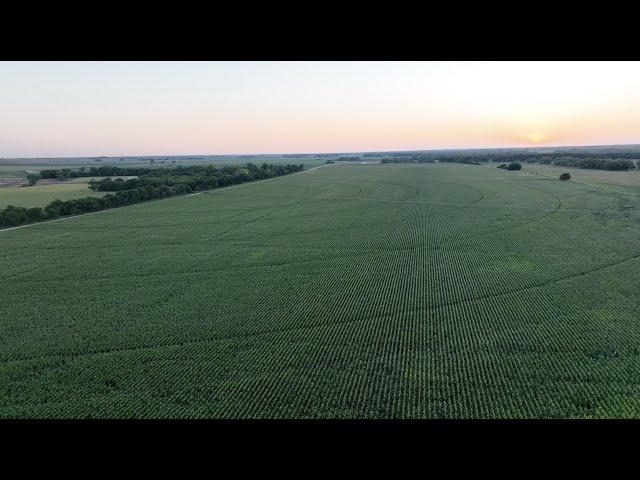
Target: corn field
{"type": "Point", "coordinates": [350, 291]}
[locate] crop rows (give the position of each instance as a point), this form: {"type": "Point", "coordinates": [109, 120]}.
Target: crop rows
{"type": "Point", "coordinates": [384, 291]}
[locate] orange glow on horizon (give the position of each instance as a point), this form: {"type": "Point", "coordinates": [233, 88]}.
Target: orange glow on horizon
{"type": "Point", "coordinates": [536, 138]}
{"type": "Point", "coordinates": [198, 108]}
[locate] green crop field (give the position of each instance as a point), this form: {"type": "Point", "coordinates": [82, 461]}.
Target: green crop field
{"type": "Point", "coordinates": [42, 194]}
{"type": "Point", "coordinates": [366, 291]}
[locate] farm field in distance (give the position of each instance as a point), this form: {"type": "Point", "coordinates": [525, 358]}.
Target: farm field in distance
{"type": "Point", "coordinates": [43, 193]}
{"type": "Point", "coordinates": [17, 167]}
{"type": "Point", "coordinates": [630, 178]}
{"type": "Point", "coordinates": [13, 172]}
{"type": "Point", "coordinates": [348, 291]}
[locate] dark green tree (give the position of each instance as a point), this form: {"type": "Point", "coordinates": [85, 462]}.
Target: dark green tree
{"type": "Point", "coordinates": [33, 178]}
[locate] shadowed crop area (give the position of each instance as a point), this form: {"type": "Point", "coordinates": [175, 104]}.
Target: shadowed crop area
{"type": "Point", "coordinates": [358, 291]}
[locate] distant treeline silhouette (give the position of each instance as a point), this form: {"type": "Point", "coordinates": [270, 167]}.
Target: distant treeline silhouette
{"type": "Point", "coordinates": [151, 184]}
{"type": "Point", "coordinates": [576, 160]}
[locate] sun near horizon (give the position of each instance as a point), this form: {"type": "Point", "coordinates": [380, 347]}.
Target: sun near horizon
{"type": "Point", "coordinates": [59, 109]}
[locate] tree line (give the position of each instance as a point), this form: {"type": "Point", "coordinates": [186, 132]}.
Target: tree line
{"type": "Point", "coordinates": [565, 161]}
{"type": "Point", "coordinates": [595, 163]}
{"type": "Point", "coordinates": [196, 177]}
{"type": "Point", "coordinates": [151, 184]}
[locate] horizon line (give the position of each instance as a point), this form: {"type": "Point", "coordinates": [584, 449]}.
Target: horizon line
{"type": "Point", "coordinates": [353, 152]}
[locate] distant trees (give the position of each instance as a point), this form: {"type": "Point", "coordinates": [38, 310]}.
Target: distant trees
{"type": "Point", "coordinates": [502, 165]}
{"type": "Point", "coordinates": [193, 178]}
{"type": "Point", "coordinates": [514, 166]}
{"type": "Point", "coordinates": [265, 170]}
{"type": "Point", "coordinates": [465, 159]}
{"type": "Point", "coordinates": [64, 173]}
{"type": "Point", "coordinates": [601, 159]}
{"type": "Point", "coordinates": [565, 176]}
{"type": "Point", "coordinates": [106, 171]}
{"type": "Point", "coordinates": [34, 214]}
{"type": "Point", "coordinates": [13, 215]}
{"type": "Point", "coordinates": [595, 163]}
{"type": "Point", "coordinates": [151, 184]}
{"type": "Point", "coordinates": [33, 178]}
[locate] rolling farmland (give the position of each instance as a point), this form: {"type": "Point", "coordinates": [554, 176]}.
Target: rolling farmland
{"type": "Point", "coordinates": [40, 195]}
{"type": "Point", "coordinates": [366, 291]}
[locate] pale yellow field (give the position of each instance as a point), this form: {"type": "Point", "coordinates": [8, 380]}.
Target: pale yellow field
{"type": "Point", "coordinates": [42, 195]}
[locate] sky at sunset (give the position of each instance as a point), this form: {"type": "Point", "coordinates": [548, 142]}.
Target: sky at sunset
{"type": "Point", "coordinates": [58, 109]}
